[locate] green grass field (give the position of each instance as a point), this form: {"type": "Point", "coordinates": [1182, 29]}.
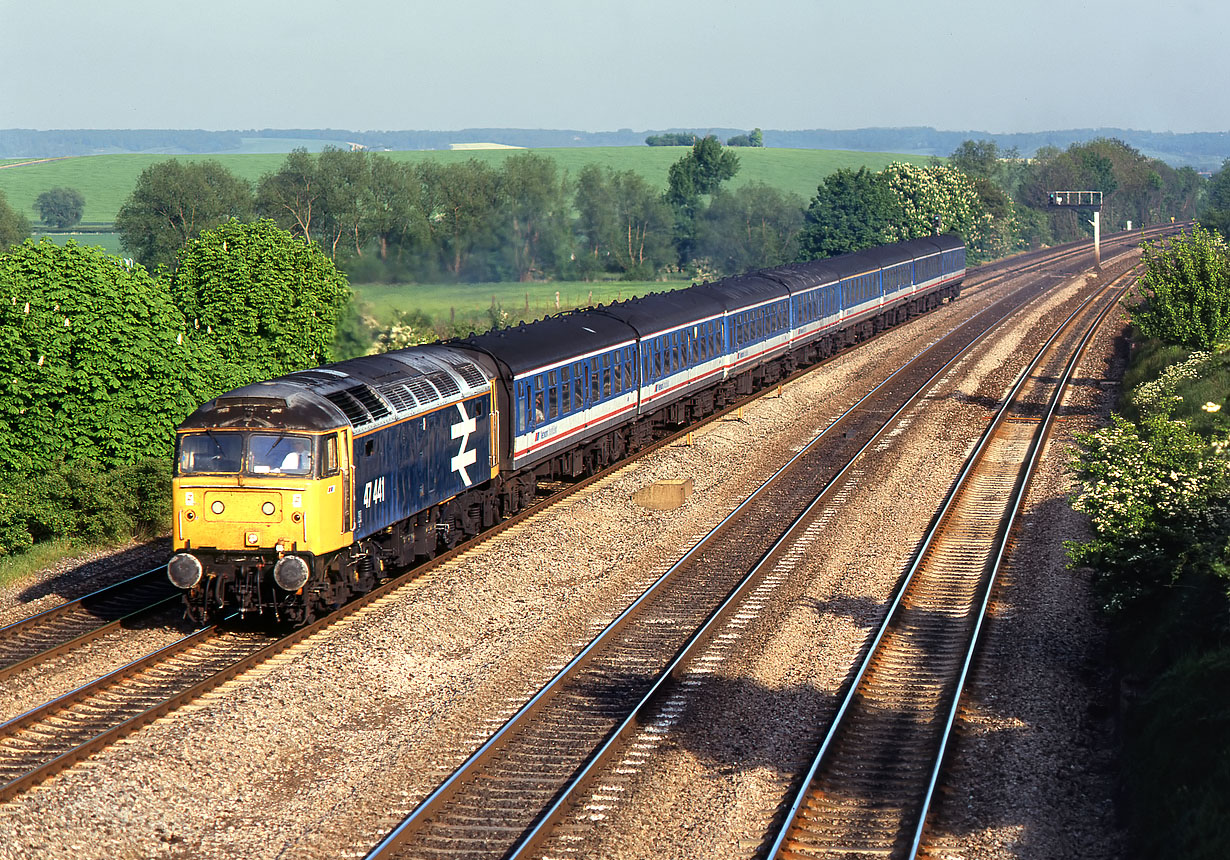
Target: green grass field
{"type": "Point", "coordinates": [106, 181]}
{"type": "Point", "coordinates": [522, 302]}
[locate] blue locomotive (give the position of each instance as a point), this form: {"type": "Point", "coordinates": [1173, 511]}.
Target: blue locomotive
{"type": "Point", "coordinates": [293, 495]}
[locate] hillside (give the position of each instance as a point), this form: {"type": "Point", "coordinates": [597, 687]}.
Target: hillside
{"type": "Point", "coordinates": [1202, 150]}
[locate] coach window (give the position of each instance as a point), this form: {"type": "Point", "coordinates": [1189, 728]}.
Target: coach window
{"type": "Point", "coordinates": [578, 387]}
{"type": "Point", "coordinates": [595, 379]}
{"type": "Point", "coordinates": [629, 367]}
{"type": "Point", "coordinates": [552, 395]}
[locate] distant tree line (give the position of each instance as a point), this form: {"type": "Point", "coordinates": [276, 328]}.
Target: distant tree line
{"type": "Point", "coordinates": [386, 220]}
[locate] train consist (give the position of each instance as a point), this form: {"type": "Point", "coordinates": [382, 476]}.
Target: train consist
{"type": "Point", "coordinates": [293, 495]}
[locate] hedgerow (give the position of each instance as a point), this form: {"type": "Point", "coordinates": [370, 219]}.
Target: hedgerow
{"type": "Point", "coordinates": [100, 362]}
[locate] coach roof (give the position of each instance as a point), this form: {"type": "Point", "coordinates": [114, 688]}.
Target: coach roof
{"type": "Point", "coordinates": [552, 340]}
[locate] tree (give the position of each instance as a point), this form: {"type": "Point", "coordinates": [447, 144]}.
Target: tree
{"type": "Point", "coordinates": [752, 227]}
{"type": "Point", "coordinates": [976, 158]}
{"type": "Point", "coordinates": [60, 207]}
{"type": "Point", "coordinates": [175, 201]}
{"type": "Point", "coordinates": [265, 302]}
{"type": "Point", "coordinates": [345, 177]}
{"type": "Point", "coordinates": [852, 210]}
{"type": "Point", "coordinates": [534, 199]}
{"type": "Point", "coordinates": [1215, 214]}
{"type": "Point", "coordinates": [1186, 291]}
{"type": "Point", "coordinates": [14, 227]}
{"type": "Point", "coordinates": [464, 215]}
{"type": "Point", "coordinates": [756, 138]}
{"type": "Point", "coordinates": [924, 193]}
{"type": "Point", "coordinates": [699, 173]}
{"type": "Point", "coordinates": [398, 217]}
{"type": "Point", "coordinates": [622, 223]}
{"type": "Point", "coordinates": [293, 195]}
{"type": "Point", "coordinates": [671, 138]}
{"type": "Point", "coordinates": [95, 359]}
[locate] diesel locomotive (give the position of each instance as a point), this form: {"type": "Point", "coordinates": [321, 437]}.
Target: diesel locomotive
{"type": "Point", "coordinates": [293, 495]}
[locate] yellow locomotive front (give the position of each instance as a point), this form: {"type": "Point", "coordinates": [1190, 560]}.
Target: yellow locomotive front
{"type": "Point", "coordinates": [261, 499]}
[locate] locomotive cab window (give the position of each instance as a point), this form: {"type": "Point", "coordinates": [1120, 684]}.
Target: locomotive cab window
{"type": "Point", "coordinates": [210, 453]}
{"type": "Point", "coordinates": [279, 454]}
{"type": "Point", "coordinates": [329, 462]}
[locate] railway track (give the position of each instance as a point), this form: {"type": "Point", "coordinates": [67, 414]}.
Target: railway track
{"type": "Point", "coordinates": [119, 706]}
{"type": "Point", "coordinates": [506, 798]}
{"type": "Point", "coordinates": [872, 781]}
{"type": "Point", "coordinates": [70, 625]}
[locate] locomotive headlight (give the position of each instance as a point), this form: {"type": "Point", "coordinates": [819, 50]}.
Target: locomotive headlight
{"type": "Point", "coordinates": [268, 508]}
{"type": "Point", "coordinates": [184, 570]}
{"type": "Point", "coordinates": [217, 507]}
{"type": "Point", "coordinates": [291, 572]}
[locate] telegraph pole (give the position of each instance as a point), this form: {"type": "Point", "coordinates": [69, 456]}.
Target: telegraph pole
{"type": "Point", "coordinates": [1084, 200]}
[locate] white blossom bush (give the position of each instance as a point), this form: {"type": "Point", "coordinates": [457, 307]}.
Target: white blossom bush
{"type": "Point", "coordinates": [1156, 496]}
{"type": "Point", "coordinates": [1158, 396]}
{"type": "Point", "coordinates": [925, 192]}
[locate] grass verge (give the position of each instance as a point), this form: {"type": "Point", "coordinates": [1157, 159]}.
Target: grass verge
{"type": "Point", "coordinates": [45, 554]}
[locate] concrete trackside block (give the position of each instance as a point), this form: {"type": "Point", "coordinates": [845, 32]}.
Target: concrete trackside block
{"type": "Point", "coordinates": [664, 495]}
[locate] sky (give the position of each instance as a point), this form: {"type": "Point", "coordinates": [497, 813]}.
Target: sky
{"type": "Point", "coordinates": [595, 65]}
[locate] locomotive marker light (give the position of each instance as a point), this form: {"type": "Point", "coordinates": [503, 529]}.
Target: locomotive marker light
{"type": "Point", "coordinates": [184, 570]}
{"type": "Point", "coordinates": [1084, 200]}
{"type": "Point", "coordinates": [462, 431]}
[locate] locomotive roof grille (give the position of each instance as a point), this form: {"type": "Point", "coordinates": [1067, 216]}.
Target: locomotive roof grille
{"type": "Point", "coordinates": [467, 371]}
{"type": "Point", "coordinates": [400, 396]}
{"type": "Point", "coordinates": [351, 407]}
{"type": "Point", "coordinates": [423, 390]}
{"type": "Point", "coordinates": [444, 383]}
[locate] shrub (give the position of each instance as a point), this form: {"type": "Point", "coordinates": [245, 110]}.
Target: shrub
{"type": "Point", "coordinates": [1185, 298]}
{"type": "Point", "coordinates": [94, 358]}
{"type": "Point", "coordinates": [87, 502]}
{"type": "Point", "coordinates": [1155, 495]}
